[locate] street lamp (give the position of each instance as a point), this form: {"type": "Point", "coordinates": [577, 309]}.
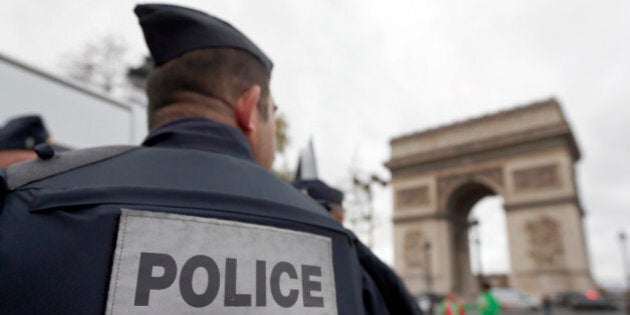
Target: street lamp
{"type": "Point", "coordinates": [427, 264]}
{"type": "Point", "coordinates": [428, 278]}
{"type": "Point", "coordinates": [624, 257]}
{"type": "Point", "coordinates": [474, 223]}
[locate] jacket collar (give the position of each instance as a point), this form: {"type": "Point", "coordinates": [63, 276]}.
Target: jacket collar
{"type": "Point", "coordinates": [201, 134]}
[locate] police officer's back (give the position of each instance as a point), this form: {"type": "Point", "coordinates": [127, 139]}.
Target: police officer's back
{"type": "Point", "coordinates": [187, 223]}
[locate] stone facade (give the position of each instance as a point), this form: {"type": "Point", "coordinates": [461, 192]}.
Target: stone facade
{"type": "Point", "coordinates": [525, 155]}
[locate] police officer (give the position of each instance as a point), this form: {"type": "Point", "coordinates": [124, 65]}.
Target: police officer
{"type": "Point", "coordinates": [191, 222]}
{"type": "Point", "coordinates": [328, 197]}
{"type": "Point", "coordinates": [18, 138]}
{"type": "Point", "coordinates": [391, 289]}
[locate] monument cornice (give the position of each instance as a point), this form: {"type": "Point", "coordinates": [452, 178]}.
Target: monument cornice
{"type": "Point", "coordinates": [500, 146]}
{"type": "Point", "coordinates": [411, 218]}
{"type": "Point", "coordinates": [407, 218]}
{"type": "Point", "coordinates": [529, 205]}
{"type": "Point", "coordinates": [562, 272]}
{"type": "Point", "coordinates": [470, 122]}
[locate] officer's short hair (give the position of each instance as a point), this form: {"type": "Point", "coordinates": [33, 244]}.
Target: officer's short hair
{"type": "Point", "coordinates": [219, 73]}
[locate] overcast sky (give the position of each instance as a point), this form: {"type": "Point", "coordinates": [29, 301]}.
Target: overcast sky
{"type": "Point", "coordinates": [353, 74]}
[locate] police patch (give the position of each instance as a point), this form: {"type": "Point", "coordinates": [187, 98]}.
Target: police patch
{"type": "Point", "coordinates": [172, 264]}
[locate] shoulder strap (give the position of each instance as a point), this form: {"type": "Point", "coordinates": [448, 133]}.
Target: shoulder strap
{"type": "Point", "coordinates": [23, 173]}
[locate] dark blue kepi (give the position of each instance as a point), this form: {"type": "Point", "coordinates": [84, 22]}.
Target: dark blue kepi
{"type": "Point", "coordinates": [23, 133]}
{"type": "Point", "coordinates": [170, 31]}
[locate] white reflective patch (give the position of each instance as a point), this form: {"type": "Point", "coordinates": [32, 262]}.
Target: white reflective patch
{"type": "Point", "coordinates": [175, 264]}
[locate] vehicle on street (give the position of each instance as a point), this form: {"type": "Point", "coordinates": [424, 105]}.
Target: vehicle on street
{"type": "Point", "coordinates": [589, 300]}
{"type": "Point", "coordinates": [515, 300]}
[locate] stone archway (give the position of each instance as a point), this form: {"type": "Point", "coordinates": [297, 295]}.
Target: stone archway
{"type": "Point", "coordinates": [459, 205]}
{"type": "Point", "coordinates": [526, 155]}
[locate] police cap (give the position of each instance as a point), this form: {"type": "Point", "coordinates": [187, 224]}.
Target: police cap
{"type": "Point", "coordinates": [319, 191]}
{"type": "Point", "coordinates": [23, 133]}
{"type": "Point", "coordinates": [170, 31]}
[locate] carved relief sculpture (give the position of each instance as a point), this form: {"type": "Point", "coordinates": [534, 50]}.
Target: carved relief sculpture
{"type": "Point", "coordinates": [545, 244]}
{"type": "Point", "coordinates": [414, 255]}
{"type": "Point", "coordinates": [537, 178]}
{"type": "Point", "coordinates": [412, 197]}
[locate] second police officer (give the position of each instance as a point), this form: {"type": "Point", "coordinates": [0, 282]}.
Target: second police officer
{"type": "Point", "coordinates": [18, 138]}
{"type": "Point", "coordinates": [190, 222]}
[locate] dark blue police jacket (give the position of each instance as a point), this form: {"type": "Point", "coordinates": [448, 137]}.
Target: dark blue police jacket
{"type": "Point", "coordinates": [393, 292]}
{"type": "Point", "coordinates": [186, 223]}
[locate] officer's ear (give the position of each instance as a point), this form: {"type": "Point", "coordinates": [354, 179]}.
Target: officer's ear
{"type": "Point", "coordinates": [246, 107]}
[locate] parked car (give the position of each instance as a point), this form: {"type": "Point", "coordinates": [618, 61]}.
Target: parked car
{"type": "Point", "coordinates": [589, 300]}
{"type": "Point", "coordinates": [515, 300]}
{"type": "Point", "coordinates": [562, 299]}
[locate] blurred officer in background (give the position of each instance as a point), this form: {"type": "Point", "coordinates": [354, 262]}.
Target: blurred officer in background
{"type": "Point", "coordinates": [18, 138]}
{"type": "Point", "coordinates": [192, 221]}
{"type": "Point", "coordinates": [395, 295]}
{"type": "Point", "coordinates": [329, 198]}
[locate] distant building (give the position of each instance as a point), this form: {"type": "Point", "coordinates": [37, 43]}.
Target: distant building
{"type": "Point", "coordinates": [75, 115]}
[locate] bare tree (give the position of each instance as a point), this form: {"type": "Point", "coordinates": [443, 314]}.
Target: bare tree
{"type": "Point", "coordinates": [282, 168]}
{"type": "Point", "coordinates": [361, 216]}
{"type": "Point", "coordinates": [282, 136]}
{"type": "Point", "coordinates": [99, 64]}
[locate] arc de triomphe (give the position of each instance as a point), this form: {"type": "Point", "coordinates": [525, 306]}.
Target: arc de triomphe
{"type": "Point", "coordinates": [526, 155]}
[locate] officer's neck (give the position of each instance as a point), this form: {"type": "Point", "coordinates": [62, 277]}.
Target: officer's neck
{"type": "Point", "coordinates": [195, 105]}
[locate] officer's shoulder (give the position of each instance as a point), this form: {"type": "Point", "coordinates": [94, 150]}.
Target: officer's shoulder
{"type": "Point", "coordinates": [47, 165]}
